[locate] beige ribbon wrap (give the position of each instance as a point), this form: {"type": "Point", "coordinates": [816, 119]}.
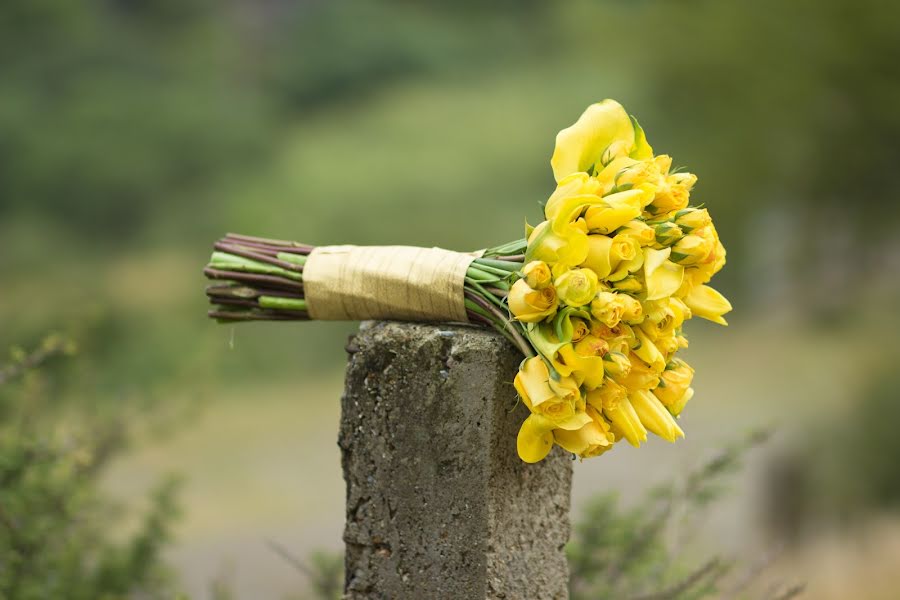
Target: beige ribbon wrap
{"type": "Point", "coordinates": [354, 283]}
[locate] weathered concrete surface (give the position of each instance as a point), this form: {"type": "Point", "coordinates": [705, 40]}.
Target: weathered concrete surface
{"type": "Point", "coordinates": [438, 503]}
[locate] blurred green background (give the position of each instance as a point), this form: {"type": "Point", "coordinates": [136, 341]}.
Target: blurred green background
{"type": "Point", "coordinates": [133, 133]}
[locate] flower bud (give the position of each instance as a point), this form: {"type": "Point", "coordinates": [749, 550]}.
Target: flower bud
{"type": "Point", "coordinates": [678, 406]}
{"type": "Point", "coordinates": [616, 365]}
{"type": "Point", "coordinates": [654, 416]}
{"type": "Point", "coordinates": [674, 381]}
{"type": "Point", "coordinates": [667, 233]}
{"type": "Point", "coordinates": [673, 193]}
{"type": "Point", "coordinates": [530, 305]}
{"type": "Point", "coordinates": [643, 233]}
{"type": "Point", "coordinates": [577, 287]}
{"type": "Point", "coordinates": [692, 249]}
{"type": "Point", "coordinates": [707, 303]}
{"type": "Point", "coordinates": [690, 219]}
{"type": "Point", "coordinates": [537, 274]}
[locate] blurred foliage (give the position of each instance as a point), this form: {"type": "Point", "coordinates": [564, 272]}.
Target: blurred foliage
{"type": "Point", "coordinates": [60, 537]}
{"type": "Point", "coordinates": [644, 552]}
{"type": "Point", "coordinates": [843, 470]}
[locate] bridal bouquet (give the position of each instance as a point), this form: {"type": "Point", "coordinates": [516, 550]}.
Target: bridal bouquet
{"type": "Point", "coordinates": [595, 296]}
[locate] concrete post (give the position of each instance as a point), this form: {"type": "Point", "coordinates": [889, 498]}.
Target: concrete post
{"type": "Point", "coordinates": [438, 504]}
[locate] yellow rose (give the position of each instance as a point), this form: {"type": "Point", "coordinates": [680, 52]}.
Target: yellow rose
{"type": "Point", "coordinates": [674, 381]}
{"type": "Point", "coordinates": [537, 274]}
{"type": "Point", "coordinates": [593, 439]}
{"type": "Point", "coordinates": [643, 233]}
{"type": "Point", "coordinates": [530, 305]}
{"type": "Point", "coordinates": [577, 287]}
{"type": "Point", "coordinates": [673, 193]}
{"type": "Point", "coordinates": [694, 248]}
{"type": "Point", "coordinates": [607, 308]}
{"type": "Point", "coordinates": [603, 132]}
{"type": "Point", "coordinates": [626, 256]}
{"type": "Point", "coordinates": [654, 416]}
{"type": "Point", "coordinates": [640, 376]}
{"type": "Point", "coordinates": [689, 219]}
{"type": "Point", "coordinates": [620, 338]}
{"type": "Point", "coordinates": [554, 404]}
{"type": "Point", "coordinates": [632, 311]}
{"type": "Point", "coordinates": [580, 330]}
{"type": "Point", "coordinates": [667, 233]}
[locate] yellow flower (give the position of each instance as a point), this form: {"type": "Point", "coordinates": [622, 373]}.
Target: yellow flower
{"type": "Point", "coordinates": [593, 439]}
{"type": "Point", "coordinates": [616, 365]}
{"type": "Point", "coordinates": [678, 406]}
{"type": "Point", "coordinates": [580, 330]}
{"type": "Point", "coordinates": [607, 214]}
{"type": "Point", "coordinates": [640, 375]}
{"type": "Point", "coordinates": [707, 303]}
{"type": "Point", "coordinates": [568, 248]}
{"type": "Point", "coordinates": [648, 352]}
{"type": "Point", "coordinates": [632, 311]}
{"type": "Point", "coordinates": [667, 233]}
{"type": "Point", "coordinates": [643, 233]}
{"type": "Point", "coordinates": [598, 257]}
{"type": "Point", "coordinates": [630, 284]}
{"type": "Point", "coordinates": [607, 308]}
{"type": "Point", "coordinates": [674, 381]}
{"type": "Point", "coordinates": [556, 399]}
{"type": "Point", "coordinates": [673, 193]}
{"type": "Point", "coordinates": [537, 274]}
{"type": "Point", "coordinates": [654, 416]}
{"type": "Point", "coordinates": [689, 219]}
{"type": "Point", "coordinates": [603, 132]}
{"type": "Point", "coordinates": [577, 287]}
{"type": "Point", "coordinates": [612, 400]}
{"type": "Point", "coordinates": [693, 248]}
{"type": "Point", "coordinates": [620, 338]}
{"type": "Point", "coordinates": [535, 439]}
{"type": "Point", "coordinates": [530, 305]}
{"type": "Point", "coordinates": [626, 255]}
{"type": "Point", "coordinates": [585, 357]}
{"type": "Point", "coordinates": [576, 185]}
{"type": "Point", "coordinates": [662, 277]}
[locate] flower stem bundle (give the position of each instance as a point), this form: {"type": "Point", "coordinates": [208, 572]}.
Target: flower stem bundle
{"type": "Point", "coordinates": [595, 296]}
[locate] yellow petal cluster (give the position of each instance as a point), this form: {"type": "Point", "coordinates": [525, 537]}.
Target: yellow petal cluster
{"type": "Point", "coordinates": [620, 262]}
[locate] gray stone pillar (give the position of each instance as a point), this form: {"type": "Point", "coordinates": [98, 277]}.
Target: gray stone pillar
{"type": "Point", "coordinates": [438, 504]}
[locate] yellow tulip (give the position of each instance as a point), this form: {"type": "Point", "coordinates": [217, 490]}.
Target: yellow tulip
{"type": "Point", "coordinates": [530, 305]}
{"type": "Point", "coordinates": [537, 274]}
{"type": "Point", "coordinates": [591, 440]}
{"type": "Point", "coordinates": [673, 382]}
{"type": "Point", "coordinates": [707, 303]}
{"type": "Point", "coordinates": [577, 287]}
{"type": "Point", "coordinates": [662, 277]}
{"type": "Point", "coordinates": [654, 416]}
{"type": "Point", "coordinates": [603, 132]}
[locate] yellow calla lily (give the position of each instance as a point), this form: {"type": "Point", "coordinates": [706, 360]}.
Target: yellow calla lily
{"type": "Point", "coordinates": [598, 258]}
{"type": "Point", "coordinates": [605, 215]}
{"type": "Point", "coordinates": [648, 352]}
{"type": "Point", "coordinates": [601, 133]}
{"type": "Point", "coordinates": [706, 302]}
{"type": "Point", "coordinates": [662, 277]}
{"type": "Point", "coordinates": [535, 439]}
{"type": "Point", "coordinates": [567, 248]}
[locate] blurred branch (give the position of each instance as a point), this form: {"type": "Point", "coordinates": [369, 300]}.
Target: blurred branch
{"type": "Point", "coordinates": [713, 567]}
{"type": "Point", "coordinates": [53, 345]}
